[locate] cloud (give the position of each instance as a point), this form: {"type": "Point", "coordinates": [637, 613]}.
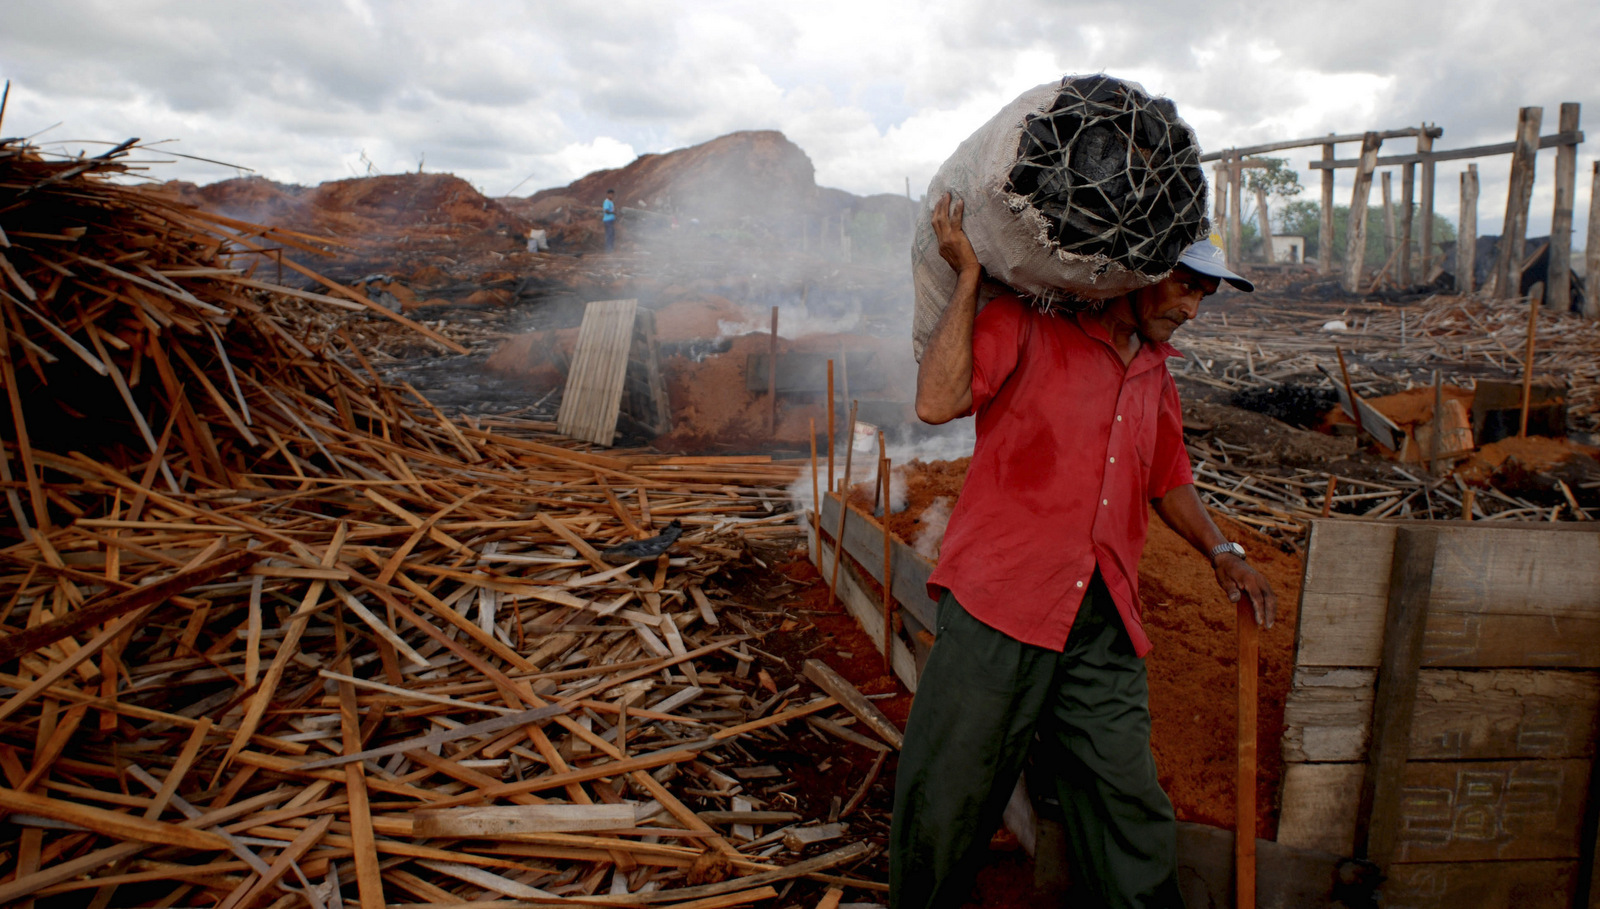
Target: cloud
{"type": "Point", "coordinates": [874, 92]}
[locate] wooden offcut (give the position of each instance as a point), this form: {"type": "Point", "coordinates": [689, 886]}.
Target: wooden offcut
{"type": "Point", "coordinates": [612, 335]}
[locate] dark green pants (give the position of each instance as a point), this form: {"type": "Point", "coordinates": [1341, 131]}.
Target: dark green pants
{"type": "Point", "coordinates": [984, 702]}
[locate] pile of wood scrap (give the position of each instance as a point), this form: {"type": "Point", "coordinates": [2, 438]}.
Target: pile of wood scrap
{"type": "Point", "coordinates": [275, 632]}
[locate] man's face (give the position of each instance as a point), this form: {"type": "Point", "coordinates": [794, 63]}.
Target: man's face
{"type": "Point", "coordinates": [1158, 310]}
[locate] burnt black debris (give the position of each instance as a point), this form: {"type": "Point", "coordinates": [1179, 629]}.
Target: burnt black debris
{"type": "Point", "coordinates": [1114, 172]}
{"type": "Point", "coordinates": [1297, 405]}
{"type": "Point", "coordinates": [645, 549]}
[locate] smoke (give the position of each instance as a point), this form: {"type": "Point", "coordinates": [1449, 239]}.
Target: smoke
{"type": "Point", "coordinates": [930, 527]}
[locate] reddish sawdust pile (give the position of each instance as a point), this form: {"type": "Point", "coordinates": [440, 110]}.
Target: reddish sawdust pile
{"type": "Point", "coordinates": [1534, 453]}
{"type": "Point", "coordinates": [1193, 668]}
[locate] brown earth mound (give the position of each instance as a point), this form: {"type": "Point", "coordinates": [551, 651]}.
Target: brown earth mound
{"type": "Point", "coordinates": [743, 174]}
{"type": "Point", "coordinates": [1193, 668]}
{"type": "Point", "coordinates": [1534, 453]}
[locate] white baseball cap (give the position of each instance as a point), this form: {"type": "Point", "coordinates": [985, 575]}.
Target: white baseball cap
{"type": "Point", "coordinates": [1208, 259]}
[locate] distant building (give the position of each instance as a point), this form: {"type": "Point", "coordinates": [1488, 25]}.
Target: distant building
{"type": "Point", "coordinates": [1290, 250]}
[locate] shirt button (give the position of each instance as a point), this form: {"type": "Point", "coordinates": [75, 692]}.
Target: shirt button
{"type": "Point", "coordinates": [1102, 502]}
{"type": "Point", "coordinates": [1113, 460]}
{"type": "Point", "coordinates": [1080, 583]}
{"type": "Point", "coordinates": [1119, 418]}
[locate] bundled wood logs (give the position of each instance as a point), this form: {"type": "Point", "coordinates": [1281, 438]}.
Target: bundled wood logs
{"type": "Point", "coordinates": [275, 632]}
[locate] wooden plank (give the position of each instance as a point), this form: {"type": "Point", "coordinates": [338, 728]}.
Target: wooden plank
{"type": "Point", "coordinates": [845, 693]}
{"type": "Point", "coordinates": [1449, 812]}
{"type": "Point", "coordinates": [1372, 421]}
{"type": "Point", "coordinates": [593, 396]}
{"type": "Point", "coordinates": [1556, 140]}
{"type": "Point", "coordinates": [1591, 251]}
{"type": "Point", "coordinates": [110, 823]}
{"type": "Point", "coordinates": [1480, 714]}
{"type": "Point", "coordinates": [1410, 583]}
{"type": "Point", "coordinates": [499, 820]}
{"type": "Point", "coordinates": [1525, 885]}
{"type": "Point", "coordinates": [1328, 140]}
{"type": "Point", "coordinates": [1503, 596]}
{"type": "Point", "coordinates": [1558, 286]}
{"type": "Point", "coordinates": [909, 571]}
{"type": "Point", "coordinates": [1356, 230]}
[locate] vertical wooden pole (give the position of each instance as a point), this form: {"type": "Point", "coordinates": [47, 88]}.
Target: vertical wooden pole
{"type": "Point", "coordinates": [816, 500]}
{"type": "Point", "coordinates": [1235, 207]}
{"type": "Point", "coordinates": [1388, 218]}
{"type": "Point", "coordinates": [1535, 297]}
{"type": "Point", "coordinates": [772, 371]}
{"type": "Point", "coordinates": [1219, 201]}
{"type": "Point", "coordinates": [1591, 253]}
{"type": "Point", "coordinates": [1507, 277]}
{"type": "Point", "coordinates": [1356, 251]}
{"type": "Point", "coordinates": [885, 476]}
{"type": "Point", "coordinates": [1408, 208]}
{"type": "Point", "coordinates": [844, 506]}
{"type": "Point", "coordinates": [1467, 232]}
{"type": "Point", "coordinates": [1325, 229]}
{"type": "Point", "coordinates": [1467, 499]}
{"type": "Point", "coordinates": [1244, 818]}
{"type": "Point", "coordinates": [1425, 203]}
{"type": "Point", "coordinates": [830, 433]}
{"type": "Point", "coordinates": [1327, 496]}
{"type": "Point", "coordinates": [1558, 290]}
{"type": "Point", "coordinates": [1264, 216]}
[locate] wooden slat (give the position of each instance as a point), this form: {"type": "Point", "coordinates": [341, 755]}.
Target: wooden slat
{"type": "Point", "coordinates": [863, 540]}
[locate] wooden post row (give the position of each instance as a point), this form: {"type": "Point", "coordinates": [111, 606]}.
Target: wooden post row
{"type": "Point", "coordinates": [1558, 285]}
{"type": "Point", "coordinates": [1506, 280]}
{"type": "Point", "coordinates": [1355, 252]}
{"type": "Point", "coordinates": [1467, 233]}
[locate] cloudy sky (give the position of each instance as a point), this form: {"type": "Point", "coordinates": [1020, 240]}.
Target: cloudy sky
{"type": "Point", "coordinates": [535, 94]}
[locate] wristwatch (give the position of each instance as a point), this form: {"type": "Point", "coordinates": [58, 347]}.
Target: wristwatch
{"type": "Point", "coordinates": [1220, 548]}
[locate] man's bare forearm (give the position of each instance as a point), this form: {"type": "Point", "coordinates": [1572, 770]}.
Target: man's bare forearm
{"type": "Point", "coordinates": [944, 379]}
{"type": "Point", "coordinates": [1183, 511]}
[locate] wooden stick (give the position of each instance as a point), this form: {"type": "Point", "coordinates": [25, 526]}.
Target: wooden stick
{"type": "Point", "coordinates": [1244, 818]}
{"type": "Point", "coordinates": [1327, 497]}
{"type": "Point", "coordinates": [844, 507]}
{"type": "Point", "coordinates": [830, 433]}
{"type": "Point", "coordinates": [1535, 300]}
{"type": "Point", "coordinates": [772, 371]}
{"type": "Point", "coordinates": [816, 499]}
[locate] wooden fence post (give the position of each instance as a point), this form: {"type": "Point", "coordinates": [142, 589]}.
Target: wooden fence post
{"type": "Point", "coordinates": [1388, 217]}
{"type": "Point", "coordinates": [1325, 232]}
{"type": "Point", "coordinates": [1467, 234]}
{"type": "Point", "coordinates": [1408, 207]}
{"type": "Point", "coordinates": [1507, 278]}
{"type": "Point", "coordinates": [1591, 255]}
{"type": "Point", "coordinates": [1558, 284]}
{"type": "Point", "coordinates": [1219, 201]}
{"type": "Point", "coordinates": [1235, 216]}
{"type": "Point", "coordinates": [1356, 250]}
{"type": "Point", "coordinates": [1264, 216]}
{"type": "Point", "coordinates": [1425, 200]}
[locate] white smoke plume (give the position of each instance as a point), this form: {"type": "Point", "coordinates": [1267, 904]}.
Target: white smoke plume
{"type": "Point", "coordinates": [930, 527]}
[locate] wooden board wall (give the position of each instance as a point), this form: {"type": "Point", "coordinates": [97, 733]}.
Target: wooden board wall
{"type": "Point", "coordinates": [1499, 760]}
{"type": "Point", "coordinates": [593, 395]}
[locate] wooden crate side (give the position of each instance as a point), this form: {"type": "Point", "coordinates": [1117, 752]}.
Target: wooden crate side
{"type": "Point", "coordinates": [867, 611]}
{"type": "Point", "coordinates": [863, 540]}
{"type": "Point", "coordinates": [1525, 885]}
{"type": "Point", "coordinates": [1461, 714]}
{"type": "Point", "coordinates": [1449, 811]}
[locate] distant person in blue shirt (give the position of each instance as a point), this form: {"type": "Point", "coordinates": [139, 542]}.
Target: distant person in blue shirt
{"type": "Point", "coordinates": [608, 214]}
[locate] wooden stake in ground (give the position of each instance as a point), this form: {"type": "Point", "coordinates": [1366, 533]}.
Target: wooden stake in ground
{"type": "Point", "coordinates": [1244, 819]}
{"type": "Point", "coordinates": [844, 508]}
{"type": "Point", "coordinates": [1467, 499]}
{"type": "Point", "coordinates": [772, 370]}
{"type": "Point", "coordinates": [830, 433]}
{"type": "Point", "coordinates": [1535, 299]}
{"type": "Point", "coordinates": [888, 558]}
{"type": "Point", "coordinates": [1327, 497]}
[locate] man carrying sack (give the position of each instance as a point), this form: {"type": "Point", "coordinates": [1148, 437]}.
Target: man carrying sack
{"type": "Point", "coordinates": [1040, 632]}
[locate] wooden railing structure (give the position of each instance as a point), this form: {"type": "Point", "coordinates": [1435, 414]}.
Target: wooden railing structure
{"type": "Point", "coordinates": [1505, 280]}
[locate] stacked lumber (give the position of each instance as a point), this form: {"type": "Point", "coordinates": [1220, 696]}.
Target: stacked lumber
{"type": "Point", "coordinates": [275, 632]}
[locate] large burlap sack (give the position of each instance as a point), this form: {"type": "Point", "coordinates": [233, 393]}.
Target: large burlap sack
{"type": "Point", "coordinates": [1078, 191]}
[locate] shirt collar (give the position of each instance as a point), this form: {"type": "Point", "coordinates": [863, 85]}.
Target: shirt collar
{"type": "Point", "coordinates": [1150, 354]}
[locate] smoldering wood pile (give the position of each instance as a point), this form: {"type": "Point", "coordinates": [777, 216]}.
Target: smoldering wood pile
{"type": "Point", "coordinates": [275, 632]}
{"type": "Point", "coordinates": [1256, 344]}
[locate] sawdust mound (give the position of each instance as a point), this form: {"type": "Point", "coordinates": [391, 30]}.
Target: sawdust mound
{"type": "Point", "coordinates": [1192, 670]}
{"type": "Point", "coordinates": [1533, 453]}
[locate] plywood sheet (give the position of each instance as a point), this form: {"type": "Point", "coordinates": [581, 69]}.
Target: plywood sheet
{"type": "Point", "coordinates": [593, 396]}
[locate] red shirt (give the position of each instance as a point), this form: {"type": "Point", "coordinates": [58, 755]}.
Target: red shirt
{"type": "Point", "coordinates": [1071, 449]}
